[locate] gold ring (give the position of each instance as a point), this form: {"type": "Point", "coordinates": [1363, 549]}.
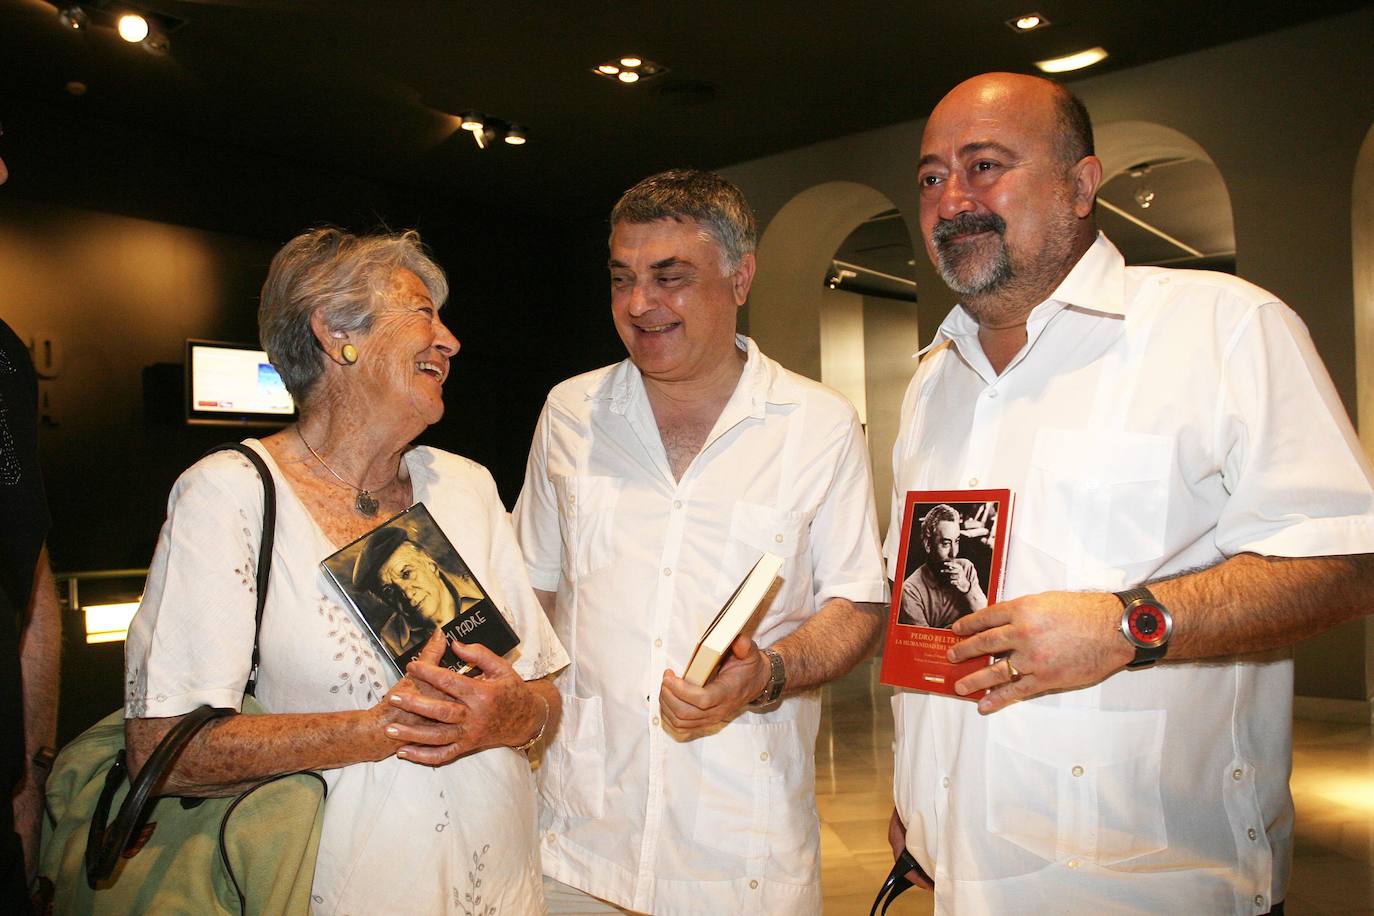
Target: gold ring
{"type": "Point", "coordinates": [1011, 669]}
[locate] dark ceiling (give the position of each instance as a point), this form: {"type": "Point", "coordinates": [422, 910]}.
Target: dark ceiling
{"type": "Point", "coordinates": [367, 91]}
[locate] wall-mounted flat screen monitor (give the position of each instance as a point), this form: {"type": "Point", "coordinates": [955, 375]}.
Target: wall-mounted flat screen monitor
{"type": "Point", "coordinates": [232, 384]}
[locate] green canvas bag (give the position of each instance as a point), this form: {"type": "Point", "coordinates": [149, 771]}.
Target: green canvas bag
{"type": "Point", "coordinates": [251, 853]}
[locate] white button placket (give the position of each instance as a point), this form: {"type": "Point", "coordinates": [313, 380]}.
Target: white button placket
{"type": "Point", "coordinates": [982, 441]}
{"type": "Point", "coordinates": [675, 512]}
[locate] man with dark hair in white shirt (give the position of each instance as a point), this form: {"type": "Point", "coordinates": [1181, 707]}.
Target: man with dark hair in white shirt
{"type": "Point", "coordinates": [1189, 489]}
{"type": "Point", "coordinates": [652, 488]}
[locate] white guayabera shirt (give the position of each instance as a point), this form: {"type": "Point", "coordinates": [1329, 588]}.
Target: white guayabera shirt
{"type": "Point", "coordinates": [1156, 421]}
{"type": "Point", "coordinates": [398, 837]}
{"type": "Point", "coordinates": [641, 563]}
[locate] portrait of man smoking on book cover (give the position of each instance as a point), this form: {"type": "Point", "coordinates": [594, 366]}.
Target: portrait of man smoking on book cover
{"type": "Point", "coordinates": [949, 558]}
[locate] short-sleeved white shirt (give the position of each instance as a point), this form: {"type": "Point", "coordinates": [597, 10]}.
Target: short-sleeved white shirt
{"type": "Point", "coordinates": [641, 563]}
{"type": "Point", "coordinates": [397, 837]}
{"type": "Point", "coordinates": [1156, 421]}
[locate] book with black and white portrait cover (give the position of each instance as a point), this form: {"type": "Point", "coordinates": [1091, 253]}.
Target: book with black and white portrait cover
{"type": "Point", "coordinates": [403, 579]}
{"type": "Point", "coordinates": [952, 555]}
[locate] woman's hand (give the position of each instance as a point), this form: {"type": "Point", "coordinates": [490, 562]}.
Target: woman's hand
{"type": "Point", "coordinates": [460, 714]}
{"type": "Point", "coordinates": [389, 713]}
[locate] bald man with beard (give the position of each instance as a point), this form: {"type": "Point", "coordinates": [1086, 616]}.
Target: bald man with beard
{"type": "Point", "coordinates": [1189, 491]}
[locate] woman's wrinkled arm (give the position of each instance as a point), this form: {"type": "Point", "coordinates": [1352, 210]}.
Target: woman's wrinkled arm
{"type": "Point", "coordinates": [232, 753]}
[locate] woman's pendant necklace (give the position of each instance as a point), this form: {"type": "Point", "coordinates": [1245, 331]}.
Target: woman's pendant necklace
{"type": "Point", "coordinates": [365, 503]}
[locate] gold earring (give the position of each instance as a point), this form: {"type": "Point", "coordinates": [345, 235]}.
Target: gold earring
{"type": "Point", "coordinates": [349, 353]}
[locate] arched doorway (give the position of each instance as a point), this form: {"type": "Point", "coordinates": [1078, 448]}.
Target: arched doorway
{"type": "Point", "coordinates": [1163, 201]}
{"type": "Point", "coordinates": [851, 333]}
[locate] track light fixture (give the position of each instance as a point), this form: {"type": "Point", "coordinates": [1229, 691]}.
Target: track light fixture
{"type": "Point", "coordinates": [486, 129]}
{"type": "Point", "coordinates": [629, 69]}
{"type": "Point", "coordinates": [73, 17]}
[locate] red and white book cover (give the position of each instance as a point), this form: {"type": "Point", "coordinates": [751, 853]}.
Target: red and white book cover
{"type": "Point", "coordinates": [951, 560]}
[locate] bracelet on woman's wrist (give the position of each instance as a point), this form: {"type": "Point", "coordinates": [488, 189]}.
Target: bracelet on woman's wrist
{"type": "Point", "coordinates": [524, 748]}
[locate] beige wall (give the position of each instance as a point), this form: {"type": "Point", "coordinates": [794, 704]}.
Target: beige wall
{"type": "Point", "coordinates": [1282, 116]}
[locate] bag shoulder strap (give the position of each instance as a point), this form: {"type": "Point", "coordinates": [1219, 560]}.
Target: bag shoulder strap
{"type": "Point", "coordinates": [269, 527]}
{"type": "Point", "coordinates": [104, 846]}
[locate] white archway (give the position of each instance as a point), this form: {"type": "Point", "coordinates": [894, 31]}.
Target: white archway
{"type": "Point", "coordinates": [1121, 144]}
{"type": "Point", "coordinates": [794, 253]}
{"type": "Point", "coordinates": [789, 300]}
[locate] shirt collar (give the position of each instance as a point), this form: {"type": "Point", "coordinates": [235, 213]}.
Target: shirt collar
{"type": "Point", "coordinates": [762, 379]}
{"type": "Point", "coordinates": [1097, 283]}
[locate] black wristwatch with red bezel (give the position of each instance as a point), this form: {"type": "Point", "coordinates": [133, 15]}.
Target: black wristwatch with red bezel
{"type": "Point", "coordinates": [1147, 625]}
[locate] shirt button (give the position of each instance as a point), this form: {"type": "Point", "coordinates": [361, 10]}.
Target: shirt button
{"type": "Point", "coordinates": [1259, 900]}
{"type": "Point", "coordinates": [655, 720]}
{"type": "Point", "coordinates": [1237, 775]}
{"type": "Point", "coordinates": [944, 783]}
{"type": "Point", "coordinates": [550, 839]}
{"type": "Point", "coordinates": [764, 756]}
{"type": "Point", "coordinates": [677, 504]}
{"type": "Point", "coordinates": [1077, 771]}
{"type": "Point", "coordinates": [667, 571]}
{"type": "Point", "coordinates": [1074, 863]}
{"type": "Point", "coordinates": [778, 538]}
{"type": "Point", "coordinates": [754, 885]}
{"type": "Point", "coordinates": [992, 392]}
{"type": "Point", "coordinates": [973, 481]}
{"type": "Point", "coordinates": [572, 499]}
{"type": "Point", "coordinates": [1251, 834]}
{"type": "Point", "coordinates": [658, 644]}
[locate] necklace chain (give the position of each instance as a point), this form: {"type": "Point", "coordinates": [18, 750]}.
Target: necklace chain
{"type": "Point", "coordinates": [365, 502]}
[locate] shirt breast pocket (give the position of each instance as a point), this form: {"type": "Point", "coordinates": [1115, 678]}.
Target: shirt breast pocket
{"type": "Point", "coordinates": [1077, 783]}
{"type": "Point", "coordinates": [1097, 497]}
{"type": "Point", "coordinates": [754, 530]}
{"type": "Point", "coordinates": [587, 508]}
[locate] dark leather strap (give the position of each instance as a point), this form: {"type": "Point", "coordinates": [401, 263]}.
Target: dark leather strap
{"type": "Point", "coordinates": [269, 529]}
{"type": "Point", "coordinates": [104, 845]}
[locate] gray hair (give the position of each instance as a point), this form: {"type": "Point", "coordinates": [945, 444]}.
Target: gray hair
{"type": "Point", "coordinates": [343, 277]}
{"type": "Point", "coordinates": [681, 194]}
{"type": "Point", "coordinates": [931, 520]}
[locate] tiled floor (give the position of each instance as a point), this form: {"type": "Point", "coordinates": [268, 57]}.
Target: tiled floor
{"type": "Point", "coordinates": [1333, 789]}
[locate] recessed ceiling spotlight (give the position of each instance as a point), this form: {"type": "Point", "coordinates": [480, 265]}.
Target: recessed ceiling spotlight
{"type": "Point", "coordinates": [515, 135]}
{"type": "Point", "coordinates": [133, 28]}
{"type": "Point", "coordinates": [629, 69]}
{"type": "Point", "coordinates": [472, 120]}
{"type": "Point", "coordinates": [1027, 23]}
{"type": "Point", "coordinates": [76, 88]}
{"type": "Point", "coordinates": [73, 17]}
{"type": "Point", "coordinates": [1072, 61]}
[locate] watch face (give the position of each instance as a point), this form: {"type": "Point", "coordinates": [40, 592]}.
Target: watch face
{"type": "Point", "coordinates": [1147, 626]}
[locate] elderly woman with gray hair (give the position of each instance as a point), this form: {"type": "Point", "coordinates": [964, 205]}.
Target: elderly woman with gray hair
{"type": "Point", "coordinates": [431, 807]}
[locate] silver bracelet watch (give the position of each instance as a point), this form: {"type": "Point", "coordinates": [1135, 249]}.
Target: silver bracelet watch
{"type": "Point", "coordinates": [777, 680]}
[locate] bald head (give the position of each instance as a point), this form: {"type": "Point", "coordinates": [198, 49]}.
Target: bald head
{"type": "Point", "coordinates": [1048, 107]}
{"type": "Point", "coordinates": [4, 172]}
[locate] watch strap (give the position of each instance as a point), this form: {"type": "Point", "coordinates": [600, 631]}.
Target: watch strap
{"type": "Point", "coordinates": [777, 680]}
{"type": "Point", "coordinates": [1145, 656]}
